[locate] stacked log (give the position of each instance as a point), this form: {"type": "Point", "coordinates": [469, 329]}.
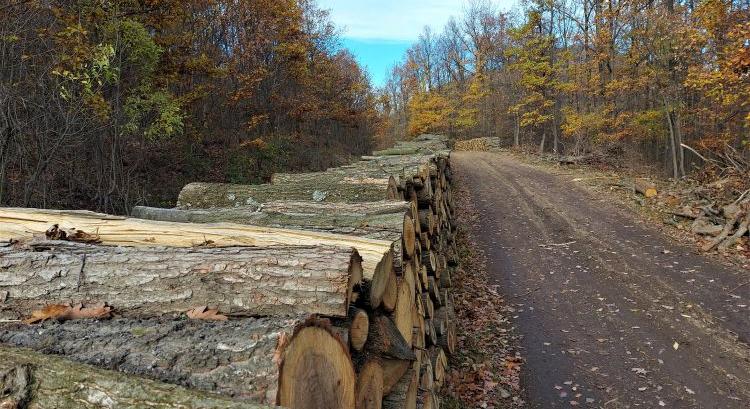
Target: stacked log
{"type": "Point", "coordinates": [484, 144]}
{"type": "Point", "coordinates": [367, 249]}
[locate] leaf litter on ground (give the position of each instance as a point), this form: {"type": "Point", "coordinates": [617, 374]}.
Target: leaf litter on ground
{"type": "Point", "coordinates": [487, 364]}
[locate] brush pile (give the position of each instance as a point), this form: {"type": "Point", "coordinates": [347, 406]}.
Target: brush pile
{"type": "Point", "coordinates": [318, 290]}
{"type": "Point", "coordinates": [717, 208]}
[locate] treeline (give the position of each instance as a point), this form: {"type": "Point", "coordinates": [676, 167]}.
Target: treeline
{"type": "Point", "coordinates": [655, 81]}
{"type": "Point", "coordinates": [107, 104]}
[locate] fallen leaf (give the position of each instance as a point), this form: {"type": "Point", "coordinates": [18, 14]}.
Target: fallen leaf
{"type": "Point", "coordinates": [96, 311]}
{"type": "Point", "coordinates": [52, 311]}
{"type": "Point", "coordinates": [55, 233]}
{"type": "Point", "coordinates": [675, 345]}
{"type": "Point", "coordinates": [203, 313]}
{"type": "Point", "coordinates": [64, 312]}
{"type": "Point", "coordinates": [81, 236]}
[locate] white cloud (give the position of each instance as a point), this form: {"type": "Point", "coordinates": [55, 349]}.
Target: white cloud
{"type": "Point", "coordinates": [396, 20]}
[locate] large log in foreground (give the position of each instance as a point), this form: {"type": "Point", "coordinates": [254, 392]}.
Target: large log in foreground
{"type": "Point", "coordinates": [150, 281]}
{"type": "Point", "coordinates": [25, 224]}
{"type": "Point", "coordinates": [32, 380]}
{"type": "Point", "coordinates": [289, 362]}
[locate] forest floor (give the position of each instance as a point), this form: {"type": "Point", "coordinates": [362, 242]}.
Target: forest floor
{"type": "Point", "coordinates": [605, 308]}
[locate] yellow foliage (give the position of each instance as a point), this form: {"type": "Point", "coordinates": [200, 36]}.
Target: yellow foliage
{"type": "Point", "coordinates": [429, 112]}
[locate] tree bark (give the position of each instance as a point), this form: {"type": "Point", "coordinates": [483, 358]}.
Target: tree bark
{"type": "Point", "coordinates": [403, 395]}
{"type": "Point", "coordinates": [328, 188]}
{"type": "Point", "coordinates": [385, 340]}
{"type": "Point", "coordinates": [32, 380]}
{"type": "Point", "coordinates": [25, 224]}
{"type": "Point", "coordinates": [151, 281]}
{"type": "Point", "coordinates": [645, 187]}
{"type": "Point", "coordinates": [387, 222]}
{"type": "Point", "coordinates": [264, 360]}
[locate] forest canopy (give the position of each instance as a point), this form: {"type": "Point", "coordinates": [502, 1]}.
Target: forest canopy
{"type": "Point", "coordinates": [109, 103]}
{"type": "Point", "coordinates": [654, 81]}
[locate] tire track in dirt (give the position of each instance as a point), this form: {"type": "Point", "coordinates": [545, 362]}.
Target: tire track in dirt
{"type": "Point", "coordinates": [604, 299]}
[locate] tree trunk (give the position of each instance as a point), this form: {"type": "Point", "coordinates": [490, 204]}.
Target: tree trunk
{"type": "Point", "coordinates": [541, 144]}
{"type": "Point", "coordinates": [286, 361]}
{"type": "Point", "coordinates": [151, 281]}
{"type": "Point", "coordinates": [645, 188]}
{"type": "Point", "coordinates": [672, 141]}
{"type": "Point", "coordinates": [32, 380]}
{"type": "Point", "coordinates": [24, 224]}
{"type": "Point", "coordinates": [517, 131]}
{"type": "Point", "coordinates": [678, 143]}
{"type": "Point", "coordinates": [387, 226]}
{"type": "Point", "coordinates": [331, 188]}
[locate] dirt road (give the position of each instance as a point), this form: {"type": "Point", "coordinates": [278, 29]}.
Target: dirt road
{"type": "Point", "coordinates": [613, 313]}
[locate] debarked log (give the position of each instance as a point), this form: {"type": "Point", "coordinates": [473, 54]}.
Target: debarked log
{"type": "Point", "coordinates": [290, 362]}
{"type": "Point", "coordinates": [150, 281]}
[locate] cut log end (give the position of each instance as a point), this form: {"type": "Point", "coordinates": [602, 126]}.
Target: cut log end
{"type": "Point", "coordinates": [369, 394]}
{"type": "Point", "coordinates": [358, 329]}
{"type": "Point", "coordinates": [316, 372]}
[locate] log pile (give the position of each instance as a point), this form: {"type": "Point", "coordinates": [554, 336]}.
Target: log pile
{"type": "Point", "coordinates": [485, 144]}
{"type": "Point", "coordinates": [327, 289]}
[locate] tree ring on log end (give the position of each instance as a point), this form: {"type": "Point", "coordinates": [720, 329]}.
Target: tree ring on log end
{"type": "Point", "coordinates": [409, 236]}
{"type": "Point", "coordinates": [316, 372]}
{"type": "Point", "coordinates": [370, 386]}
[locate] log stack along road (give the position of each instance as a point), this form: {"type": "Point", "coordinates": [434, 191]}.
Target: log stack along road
{"type": "Point", "coordinates": [318, 290]}
{"type": "Point", "coordinates": [613, 313]}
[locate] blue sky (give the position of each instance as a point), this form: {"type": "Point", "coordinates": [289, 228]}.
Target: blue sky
{"type": "Point", "coordinates": [378, 32]}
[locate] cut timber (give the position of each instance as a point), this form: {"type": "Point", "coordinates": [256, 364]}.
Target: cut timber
{"type": "Point", "coordinates": [385, 340]}
{"type": "Point", "coordinates": [151, 281]}
{"type": "Point", "coordinates": [409, 236]}
{"type": "Point", "coordinates": [404, 393]}
{"type": "Point", "coordinates": [24, 224]}
{"type": "Point", "coordinates": [645, 187]}
{"type": "Point", "coordinates": [337, 188]}
{"type": "Point", "coordinates": [290, 362]}
{"type": "Point", "coordinates": [439, 365]}
{"type": "Point", "coordinates": [403, 312]}
{"type": "Point", "coordinates": [386, 222]}
{"type": "Point", "coordinates": [447, 339]}
{"type": "Point", "coordinates": [32, 380]}
{"type": "Point", "coordinates": [396, 151]}
{"type": "Point", "coordinates": [369, 394]}
{"type": "Point", "coordinates": [391, 294]}
{"type": "Point", "coordinates": [393, 371]}
{"type": "Point", "coordinates": [357, 325]}
{"type": "Point", "coordinates": [317, 372]}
